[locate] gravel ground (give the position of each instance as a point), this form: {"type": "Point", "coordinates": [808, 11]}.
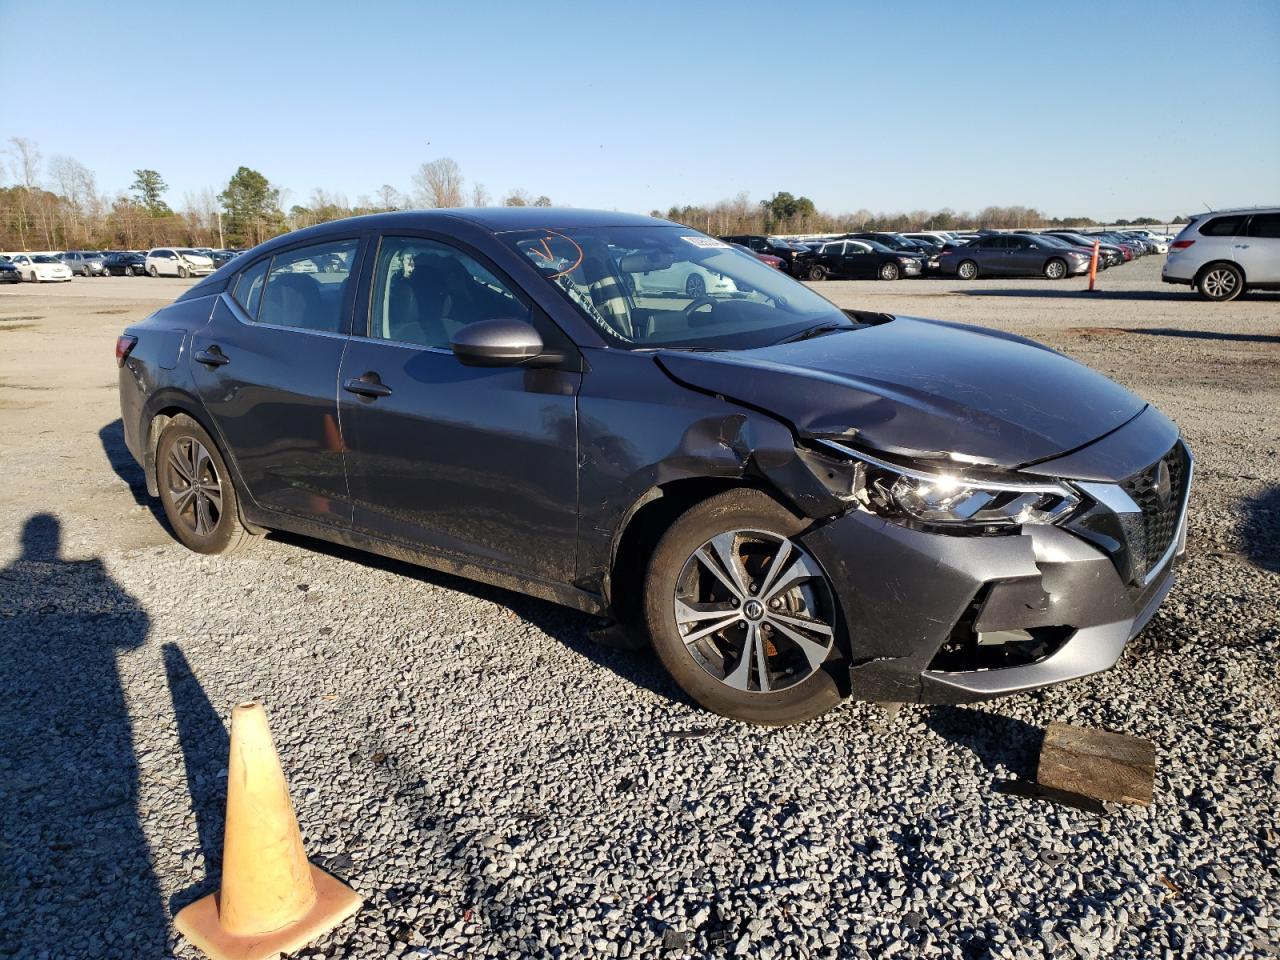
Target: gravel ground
{"type": "Point", "coordinates": [493, 784]}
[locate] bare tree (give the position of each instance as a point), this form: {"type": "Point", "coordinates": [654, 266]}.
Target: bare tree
{"type": "Point", "coordinates": [389, 198]}
{"type": "Point", "coordinates": [517, 198]}
{"type": "Point", "coordinates": [479, 195]}
{"type": "Point", "coordinates": [439, 183]}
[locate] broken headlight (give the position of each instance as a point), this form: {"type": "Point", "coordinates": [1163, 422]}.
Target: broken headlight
{"type": "Point", "coordinates": [952, 500]}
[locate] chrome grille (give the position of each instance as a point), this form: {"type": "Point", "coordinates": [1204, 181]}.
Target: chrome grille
{"type": "Point", "coordinates": [1159, 492]}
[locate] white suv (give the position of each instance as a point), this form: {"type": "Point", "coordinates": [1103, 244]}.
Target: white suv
{"type": "Point", "coordinates": [1224, 253]}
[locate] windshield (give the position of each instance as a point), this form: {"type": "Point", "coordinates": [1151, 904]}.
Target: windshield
{"type": "Point", "coordinates": [666, 286]}
{"type": "Point", "coordinates": [41, 258]}
{"type": "Point", "coordinates": [188, 252]}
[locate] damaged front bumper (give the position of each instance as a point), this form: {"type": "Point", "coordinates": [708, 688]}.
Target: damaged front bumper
{"type": "Point", "coordinates": [939, 618]}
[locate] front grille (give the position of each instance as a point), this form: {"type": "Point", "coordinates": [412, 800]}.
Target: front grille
{"type": "Point", "coordinates": [1159, 491]}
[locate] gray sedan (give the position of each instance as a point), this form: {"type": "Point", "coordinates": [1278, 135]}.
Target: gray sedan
{"type": "Point", "coordinates": [1012, 255]}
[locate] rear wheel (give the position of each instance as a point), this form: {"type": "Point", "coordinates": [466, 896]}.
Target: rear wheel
{"type": "Point", "coordinates": [741, 614]}
{"type": "Point", "coordinates": [967, 270]}
{"type": "Point", "coordinates": [196, 491]}
{"type": "Point", "coordinates": [1221, 282]}
{"type": "Point", "coordinates": [1055, 269]}
{"type": "Point", "coordinates": [695, 286]}
{"type": "Point", "coordinates": [889, 271]}
{"type": "Point", "coordinates": [817, 272]}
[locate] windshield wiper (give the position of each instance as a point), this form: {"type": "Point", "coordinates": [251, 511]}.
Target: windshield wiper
{"type": "Point", "coordinates": [817, 331]}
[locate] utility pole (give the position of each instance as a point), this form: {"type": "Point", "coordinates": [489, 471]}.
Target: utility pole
{"type": "Point", "coordinates": [221, 244]}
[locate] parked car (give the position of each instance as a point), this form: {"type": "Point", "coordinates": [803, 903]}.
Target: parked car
{"type": "Point", "coordinates": [862, 260]}
{"type": "Point", "coordinates": [178, 262]}
{"type": "Point", "coordinates": [84, 263]}
{"type": "Point", "coordinates": [9, 272]}
{"type": "Point", "coordinates": [1113, 255]}
{"type": "Point", "coordinates": [220, 257]}
{"type": "Point", "coordinates": [41, 268]}
{"type": "Point", "coordinates": [681, 277]}
{"type": "Point", "coordinates": [1223, 254]}
{"type": "Point", "coordinates": [789, 500]}
{"type": "Point", "coordinates": [1013, 255]}
{"type": "Point", "coordinates": [125, 264]}
{"type": "Point", "coordinates": [1062, 244]}
{"type": "Point", "coordinates": [795, 256]}
{"type": "Point", "coordinates": [776, 262]}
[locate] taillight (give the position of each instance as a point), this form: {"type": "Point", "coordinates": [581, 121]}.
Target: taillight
{"type": "Point", "coordinates": [1180, 244]}
{"type": "Point", "coordinates": [124, 347]}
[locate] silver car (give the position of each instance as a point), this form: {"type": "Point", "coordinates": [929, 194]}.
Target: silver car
{"type": "Point", "coordinates": [1224, 253]}
{"type": "Point", "coordinates": [85, 263]}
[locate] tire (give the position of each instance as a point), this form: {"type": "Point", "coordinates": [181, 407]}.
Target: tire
{"type": "Point", "coordinates": [128, 271]}
{"type": "Point", "coordinates": [1220, 282]}
{"type": "Point", "coordinates": [183, 273]}
{"type": "Point", "coordinates": [695, 286]}
{"type": "Point", "coordinates": [967, 270]}
{"type": "Point", "coordinates": [208, 520]}
{"type": "Point", "coordinates": [801, 680]}
{"type": "Point", "coordinates": [889, 271]}
{"type": "Point", "coordinates": [817, 272]}
{"type": "Point", "coordinates": [152, 272]}
{"type": "Point", "coordinates": [1055, 269]}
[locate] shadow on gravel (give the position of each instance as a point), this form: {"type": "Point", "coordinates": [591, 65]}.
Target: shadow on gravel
{"type": "Point", "coordinates": [1260, 529]}
{"type": "Point", "coordinates": [1002, 744]}
{"type": "Point", "coordinates": [1203, 334]}
{"type": "Point", "coordinates": [112, 438]}
{"type": "Point", "coordinates": [565, 625]}
{"type": "Point", "coordinates": [205, 744]}
{"type": "Point", "coordinates": [1080, 293]}
{"type": "Point", "coordinates": [75, 869]}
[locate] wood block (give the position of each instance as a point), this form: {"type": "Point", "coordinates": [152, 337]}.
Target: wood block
{"type": "Point", "coordinates": [1098, 763]}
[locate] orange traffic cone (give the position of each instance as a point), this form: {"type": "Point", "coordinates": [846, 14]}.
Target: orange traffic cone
{"type": "Point", "coordinates": [272, 900]}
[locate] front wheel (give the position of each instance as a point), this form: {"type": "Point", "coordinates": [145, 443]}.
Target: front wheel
{"type": "Point", "coordinates": [695, 286]}
{"type": "Point", "coordinates": [128, 271]}
{"type": "Point", "coordinates": [196, 491]}
{"type": "Point", "coordinates": [152, 272]}
{"type": "Point", "coordinates": [968, 270]}
{"type": "Point", "coordinates": [182, 272]}
{"type": "Point", "coordinates": [889, 271]}
{"type": "Point", "coordinates": [817, 272]}
{"type": "Point", "coordinates": [1055, 269]}
{"type": "Point", "coordinates": [1221, 282]}
{"type": "Point", "coordinates": [742, 615]}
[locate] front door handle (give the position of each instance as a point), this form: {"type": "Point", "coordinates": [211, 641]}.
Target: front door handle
{"type": "Point", "coordinates": [369, 385]}
{"type": "Point", "coordinates": [213, 357]}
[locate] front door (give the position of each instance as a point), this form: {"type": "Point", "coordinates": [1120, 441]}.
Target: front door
{"type": "Point", "coordinates": [266, 367]}
{"type": "Point", "coordinates": [475, 463]}
{"type": "Point", "coordinates": [1258, 250]}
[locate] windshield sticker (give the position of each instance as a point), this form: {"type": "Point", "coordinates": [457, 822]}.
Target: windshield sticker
{"type": "Point", "coordinates": [706, 243]}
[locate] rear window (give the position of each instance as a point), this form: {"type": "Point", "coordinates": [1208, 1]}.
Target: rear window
{"type": "Point", "coordinates": [1222, 226]}
{"type": "Point", "coordinates": [1265, 225]}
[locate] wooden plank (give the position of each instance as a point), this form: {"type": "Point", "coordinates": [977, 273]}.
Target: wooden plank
{"type": "Point", "coordinates": [1098, 763]}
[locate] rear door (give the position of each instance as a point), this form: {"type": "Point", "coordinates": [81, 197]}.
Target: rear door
{"type": "Point", "coordinates": [475, 463]}
{"type": "Point", "coordinates": [1258, 250]}
{"type": "Point", "coordinates": [267, 370]}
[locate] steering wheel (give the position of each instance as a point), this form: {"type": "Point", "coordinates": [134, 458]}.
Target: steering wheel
{"type": "Point", "coordinates": [687, 314]}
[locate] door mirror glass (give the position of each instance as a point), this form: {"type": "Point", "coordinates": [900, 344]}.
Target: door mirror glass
{"type": "Point", "coordinates": [496, 343]}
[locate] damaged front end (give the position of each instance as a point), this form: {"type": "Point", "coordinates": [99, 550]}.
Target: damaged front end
{"type": "Point", "coordinates": [961, 586]}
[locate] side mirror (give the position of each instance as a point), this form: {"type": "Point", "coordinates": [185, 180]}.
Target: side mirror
{"type": "Point", "coordinates": [496, 343]}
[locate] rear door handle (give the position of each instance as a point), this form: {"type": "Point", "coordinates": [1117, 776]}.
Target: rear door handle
{"type": "Point", "coordinates": [369, 385]}
{"type": "Point", "coordinates": [213, 357]}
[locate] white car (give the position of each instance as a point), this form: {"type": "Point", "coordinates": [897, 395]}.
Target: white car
{"type": "Point", "coordinates": [41, 268]}
{"type": "Point", "coordinates": [687, 278]}
{"type": "Point", "coordinates": [178, 262]}
{"type": "Point", "coordinates": [1224, 253]}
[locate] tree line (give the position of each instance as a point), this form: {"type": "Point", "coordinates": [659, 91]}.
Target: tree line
{"type": "Point", "coordinates": [56, 205]}
{"type": "Point", "coordinates": [785, 213]}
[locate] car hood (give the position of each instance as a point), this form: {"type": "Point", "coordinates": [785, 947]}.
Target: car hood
{"type": "Point", "coordinates": [922, 389]}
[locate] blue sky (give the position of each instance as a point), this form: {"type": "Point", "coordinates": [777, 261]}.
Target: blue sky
{"type": "Point", "coordinates": [640, 105]}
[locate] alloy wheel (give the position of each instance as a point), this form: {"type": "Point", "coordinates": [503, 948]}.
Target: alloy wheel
{"type": "Point", "coordinates": [1055, 270]}
{"type": "Point", "coordinates": [967, 270]}
{"type": "Point", "coordinates": [695, 286]}
{"type": "Point", "coordinates": [755, 611]}
{"type": "Point", "coordinates": [194, 487]}
{"type": "Point", "coordinates": [1219, 283]}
